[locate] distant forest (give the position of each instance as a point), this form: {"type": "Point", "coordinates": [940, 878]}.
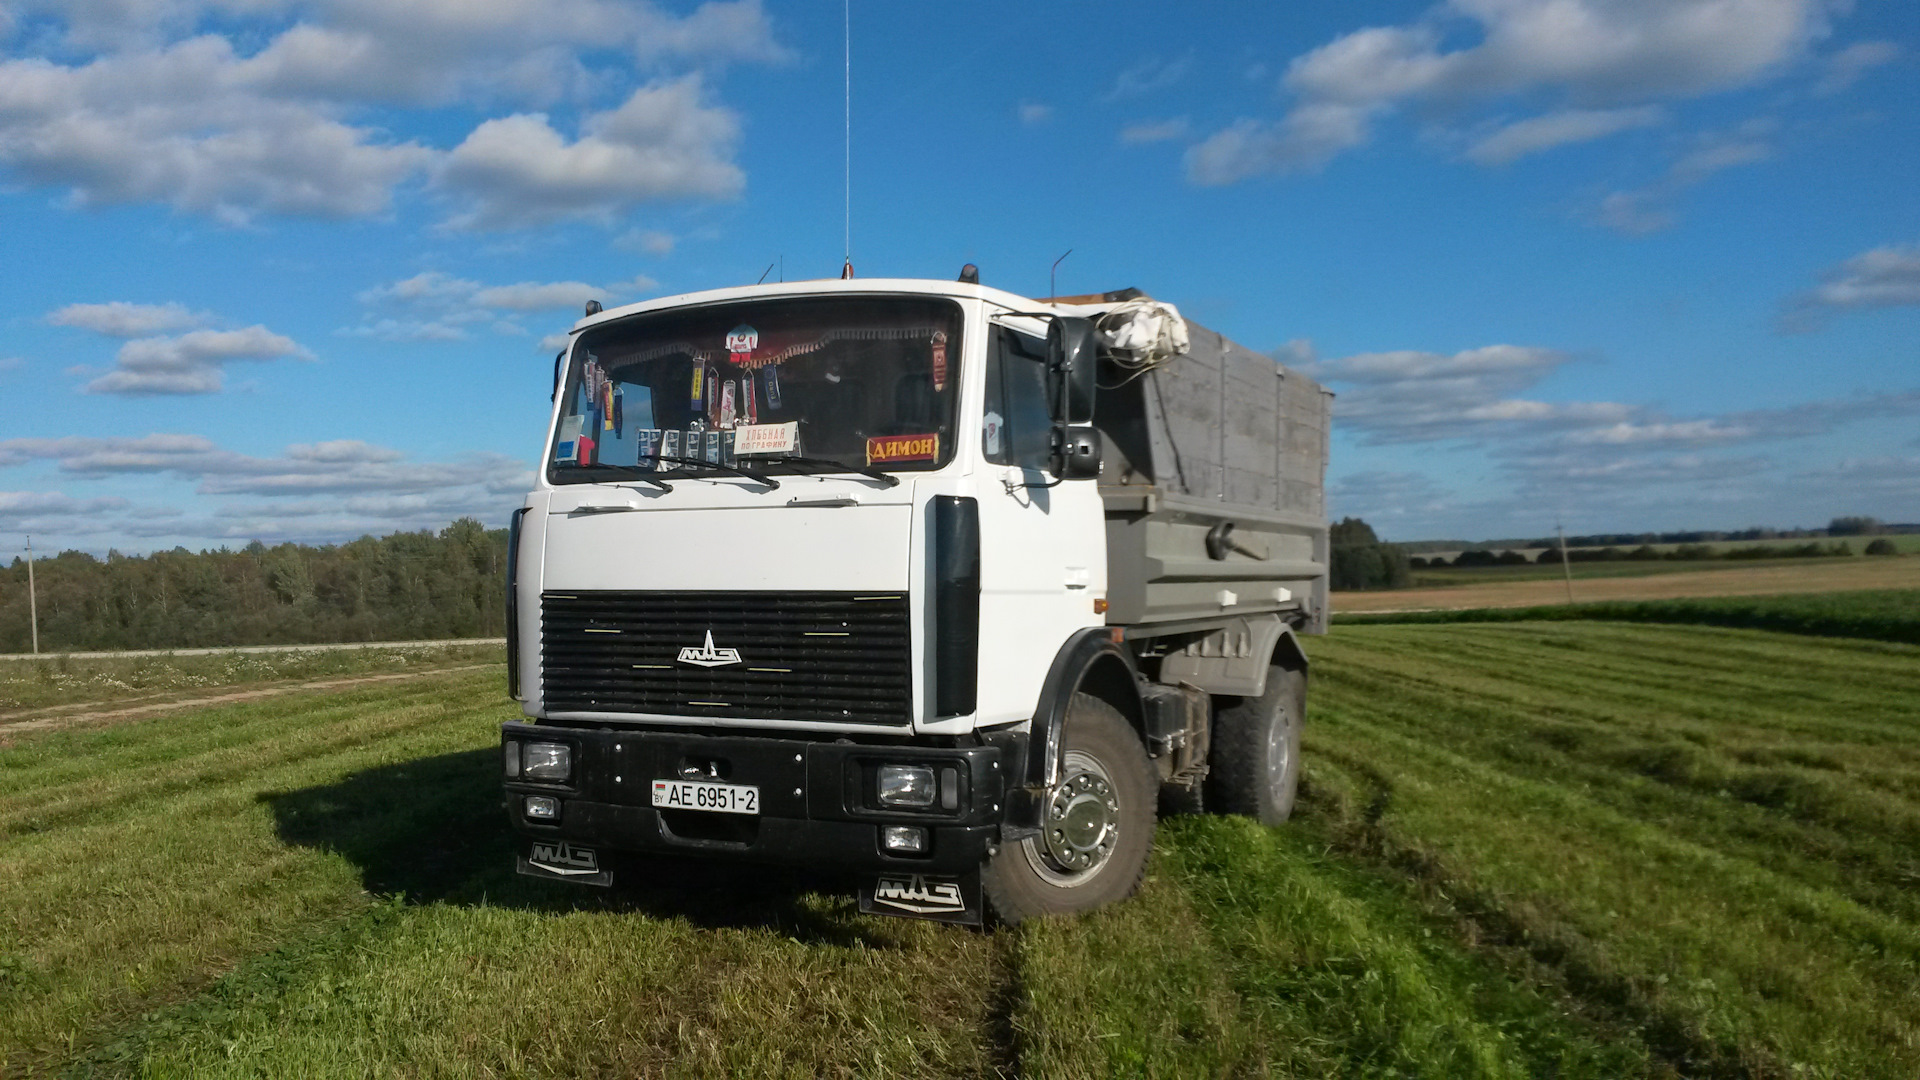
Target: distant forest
{"type": "Point", "coordinates": [394, 588]}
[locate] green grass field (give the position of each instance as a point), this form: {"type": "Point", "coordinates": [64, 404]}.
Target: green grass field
{"type": "Point", "coordinates": [1571, 849]}
{"type": "Point", "coordinates": [1443, 576]}
{"type": "Point", "coordinates": [1877, 614]}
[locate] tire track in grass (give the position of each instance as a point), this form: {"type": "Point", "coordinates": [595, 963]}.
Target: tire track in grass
{"type": "Point", "coordinates": [217, 919]}
{"type": "Point", "coordinates": [109, 916]}
{"type": "Point", "coordinates": [337, 729]}
{"type": "Point", "coordinates": [1734, 968]}
{"type": "Point", "coordinates": [1845, 825]}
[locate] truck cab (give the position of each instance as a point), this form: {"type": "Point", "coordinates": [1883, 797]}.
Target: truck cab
{"type": "Point", "coordinates": [819, 573]}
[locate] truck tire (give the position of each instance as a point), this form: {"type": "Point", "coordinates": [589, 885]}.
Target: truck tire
{"type": "Point", "coordinates": [1096, 824]}
{"type": "Point", "coordinates": [1253, 767]}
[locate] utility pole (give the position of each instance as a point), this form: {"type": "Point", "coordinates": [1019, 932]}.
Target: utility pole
{"type": "Point", "coordinates": [33, 600]}
{"type": "Point", "coordinates": [1565, 566]}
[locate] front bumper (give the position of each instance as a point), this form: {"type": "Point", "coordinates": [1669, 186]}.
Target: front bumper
{"type": "Point", "coordinates": [816, 805]}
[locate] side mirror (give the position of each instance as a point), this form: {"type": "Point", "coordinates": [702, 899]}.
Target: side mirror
{"type": "Point", "coordinates": [1074, 452]}
{"type": "Point", "coordinates": [1073, 356]}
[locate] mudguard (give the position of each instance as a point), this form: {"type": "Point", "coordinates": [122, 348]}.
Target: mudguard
{"type": "Point", "coordinates": [1091, 652]}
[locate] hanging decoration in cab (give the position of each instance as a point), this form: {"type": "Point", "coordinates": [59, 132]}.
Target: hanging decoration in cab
{"type": "Point", "coordinates": [939, 360]}
{"type": "Point", "coordinates": [741, 341]}
{"type": "Point", "coordinates": [773, 388]}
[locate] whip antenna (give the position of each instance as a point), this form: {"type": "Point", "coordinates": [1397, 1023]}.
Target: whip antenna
{"type": "Point", "coordinates": [846, 12]}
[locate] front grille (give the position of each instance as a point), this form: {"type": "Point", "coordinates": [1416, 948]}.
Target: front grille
{"type": "Point", "coordinates": [828, 656]}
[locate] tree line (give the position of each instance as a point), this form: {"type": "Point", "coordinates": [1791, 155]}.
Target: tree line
{"type": "Point", "coordinates": [408, 585]}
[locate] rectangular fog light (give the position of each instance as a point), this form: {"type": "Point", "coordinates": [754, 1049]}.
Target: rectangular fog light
{"type": "Point", "coordinates": [905, 785]}
{"type": "Point", "coordinates": [547, 761]}
{"type": "Point", "coordinates": [543, 808]}
{"type": "Point", "coordinates": [905, 839]}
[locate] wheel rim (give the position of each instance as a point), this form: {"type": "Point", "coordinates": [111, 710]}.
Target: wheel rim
{"type": "Point", "coordinates": [1079, 825]}
{"type": "Point", "coordinates": [1279, 755]}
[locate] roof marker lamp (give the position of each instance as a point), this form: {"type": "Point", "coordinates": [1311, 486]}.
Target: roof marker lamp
{"type": "Point", "coordinates": [905, 786]}
{"type": "Point", "coordinates": [547, 761]}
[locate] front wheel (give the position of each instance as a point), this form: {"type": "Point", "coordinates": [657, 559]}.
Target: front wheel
{"type": "Point", "coordinates": [1254, 763]}
{"type": "Point", "coordinates": [1096, 824]}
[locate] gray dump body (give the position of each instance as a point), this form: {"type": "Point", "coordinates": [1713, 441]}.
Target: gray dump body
{"type": "Point", "coordinates": [1221, 434]}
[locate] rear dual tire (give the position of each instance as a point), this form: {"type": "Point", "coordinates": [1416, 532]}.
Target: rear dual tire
{"type": "Point", "coordinates": [1253, 766]}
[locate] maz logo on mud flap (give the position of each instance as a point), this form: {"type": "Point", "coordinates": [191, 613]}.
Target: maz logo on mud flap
{"type": "Point", "coordinates": [564, 859]}
{"type": "Point", "coordinates": [708, 656]}
{"type": "Point", "coordinates": [918, 895]}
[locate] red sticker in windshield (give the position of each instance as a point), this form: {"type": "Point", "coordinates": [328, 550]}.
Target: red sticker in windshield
{"type": "Point", "coordinates": [886, 448]}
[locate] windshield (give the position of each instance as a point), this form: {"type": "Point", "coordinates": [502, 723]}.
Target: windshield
{"type": "Point", "coordinates": [864, 381]}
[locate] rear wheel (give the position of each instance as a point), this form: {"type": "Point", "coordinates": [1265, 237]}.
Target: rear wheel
{"type": "Point", "coordinates": [1254, 764]}
{"type": "Point", "coordinates": [1096, 824]}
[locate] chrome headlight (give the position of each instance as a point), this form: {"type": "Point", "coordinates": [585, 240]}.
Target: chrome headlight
{"type": "Point", "coordinates": [549, 761]}
{"type": "Point", "coordinates": [905, 785]}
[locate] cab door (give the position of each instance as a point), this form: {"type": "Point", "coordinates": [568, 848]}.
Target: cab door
{"type": "Point", "coordinates": [1042, 542]}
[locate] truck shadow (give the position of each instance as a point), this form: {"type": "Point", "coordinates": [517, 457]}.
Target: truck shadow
{"type": "Point", "coordinates": [433, 830]}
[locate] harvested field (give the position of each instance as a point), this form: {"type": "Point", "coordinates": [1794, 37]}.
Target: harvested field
{"type": "Point", "coordinates": [1576, 849]}
{"type": "Point", "coordinates": [1802, 576]}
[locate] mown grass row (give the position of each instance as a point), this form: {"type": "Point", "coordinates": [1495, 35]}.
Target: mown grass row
{"type": "Point", "coordinates": [1877, 614]}
{"type": "Point", "coordinates": [1538, 849]}
{"type": "Point", "coordinates": [323, 886]}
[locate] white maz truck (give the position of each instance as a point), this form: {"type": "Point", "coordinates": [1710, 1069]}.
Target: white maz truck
{"type": "Point", "coordinates": [947, 587]}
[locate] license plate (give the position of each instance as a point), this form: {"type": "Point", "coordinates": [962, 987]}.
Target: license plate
{"type": "Point", "coordinates": [703, 795]}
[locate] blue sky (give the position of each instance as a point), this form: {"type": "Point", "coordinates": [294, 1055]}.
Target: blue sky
{"type": "Point", "coordinates": [292, 270]}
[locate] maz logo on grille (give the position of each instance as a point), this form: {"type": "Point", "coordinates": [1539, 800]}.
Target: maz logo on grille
{"type": "Point", "coordinates": [708, 656]}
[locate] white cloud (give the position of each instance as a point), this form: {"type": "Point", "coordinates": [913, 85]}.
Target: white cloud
{"type": "Point", "coordinates": [438, 306]}
{"type": "Point", "coordinates": [1384, 497]}
{"type": "Point", "coordinates": [172, 127]}
{"type": "Point", "coordinates": [1845, 67]}
{"type": "Point", "coordinates": [344, 466]}
{"type": "Point", "coordinates": [1033, 113]}
{"type": "Point", "coordinates": [20, 504]}
{"type": "Point", "coordinates": [220, 108]}
{"type": "Point", "coordinates": [663, 143]}
{"type": "Point", "coordinates": [647, 241]}
{"type": "Point", "coordinates": [1595, 57]}
{"type": "Point", "coordinates": [190, 363]}
{"type": "Point", "coordinates": [1412, 396]}
{"type": "Point", "coordinates": [1154, 131]}
{"type": "Point", "coordinates": [1533, 135]}
{"type": "Point", "coordinates": [342, 451]}
{"type": "Point", "coordinates": [552, 343]}
{"type": "Point", "coordinates": [538, 296]}
{"type": "Point", "coordinates": [406, 330]}
{"type": "Point", "coordinates": [1650, 209]}
{"type": "Point", "coordinates": [121, 319]}
{"type": "Point", "coordinates": [1148, 76]}
{"type": "Point", "coordinates": [1881, 278]}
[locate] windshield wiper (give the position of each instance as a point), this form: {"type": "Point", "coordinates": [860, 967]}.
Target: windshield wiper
{"type": "Point", "coordinates": [741, 470]}
{"type": "Point", "coordinates": [886, 479]}
{"type": "Point", "coordinates": [642, 473]}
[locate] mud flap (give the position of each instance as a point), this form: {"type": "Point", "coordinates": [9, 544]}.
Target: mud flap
{"type": "Point", "coordinates": [561, 861]}
{"type": "Point", "coordinates": [941, 898]}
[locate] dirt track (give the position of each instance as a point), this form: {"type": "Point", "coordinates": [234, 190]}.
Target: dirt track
{"type": "Point", "coordinates": [1821, 575]}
